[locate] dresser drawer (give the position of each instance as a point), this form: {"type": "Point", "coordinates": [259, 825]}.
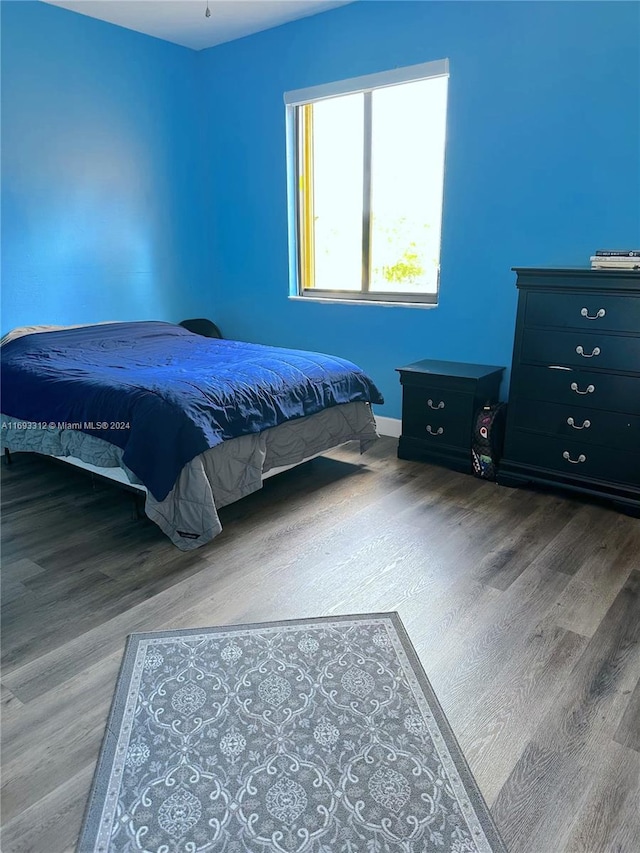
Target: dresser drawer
{"type": "Point", "coordinates": [574, 458]}
{"type": "Point", "coordinates": [577, 388]}
{"type": "Point", "coordinates": [592, 312]}
{"type": "Point", "coordinates": [437, 415]}
{"type": "Point", "coordinates": [582, 350]}
{"type": "Point", "coordinates": [592, 426]}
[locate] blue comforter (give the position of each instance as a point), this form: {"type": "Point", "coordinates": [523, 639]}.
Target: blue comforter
{"type": "Point", "coordinates": [165, 395]}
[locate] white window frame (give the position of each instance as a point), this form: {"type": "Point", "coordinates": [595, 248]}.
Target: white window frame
{"type": "Point", "coordinates": [301, 97]}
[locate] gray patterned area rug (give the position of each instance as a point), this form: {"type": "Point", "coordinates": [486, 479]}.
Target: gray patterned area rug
{"type": "Point", "coordinates": [316, 736]}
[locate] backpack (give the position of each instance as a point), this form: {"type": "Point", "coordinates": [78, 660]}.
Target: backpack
{"type": "Point", "coordinates": [487, 440]}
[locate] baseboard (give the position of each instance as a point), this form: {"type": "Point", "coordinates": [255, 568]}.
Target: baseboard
{"type": "Point", "coordinates": [389, 426]}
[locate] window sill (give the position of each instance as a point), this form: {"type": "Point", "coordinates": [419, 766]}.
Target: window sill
{"type": "Point", "coordinates": [328, 299]}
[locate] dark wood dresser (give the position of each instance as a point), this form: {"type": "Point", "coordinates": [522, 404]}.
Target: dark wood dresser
{"type": "Point", "coordinates": [573, 418]}
{"type": "Point", "coordinates": [439, 400]}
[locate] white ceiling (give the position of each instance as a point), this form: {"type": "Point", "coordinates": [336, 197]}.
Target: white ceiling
{"type": "Point", "coordinates": [184, 21]}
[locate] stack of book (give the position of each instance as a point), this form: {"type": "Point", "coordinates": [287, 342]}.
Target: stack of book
{"type": "Point", "coordinates": [609, 259]}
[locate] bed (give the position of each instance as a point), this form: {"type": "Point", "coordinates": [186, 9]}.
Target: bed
{"type": "Point", "coordinates": [194, 423]}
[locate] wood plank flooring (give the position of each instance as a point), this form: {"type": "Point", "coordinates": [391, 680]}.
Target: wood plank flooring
{"type": "Point", "coordinates": [523, 606]}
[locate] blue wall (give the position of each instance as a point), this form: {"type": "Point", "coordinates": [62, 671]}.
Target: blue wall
{"type": "Point", "coordinates": [102, 214]}
{"type": "Point", "coordinates": [543, 166]}
{"type": "Point", "coordinates": [141, 179]}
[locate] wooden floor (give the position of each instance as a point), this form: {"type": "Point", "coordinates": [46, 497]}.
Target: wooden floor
{"type": "Point", "coordinates": [524, 608]}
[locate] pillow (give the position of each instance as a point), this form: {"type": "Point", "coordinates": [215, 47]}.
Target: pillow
{"type": "Point", "coordinates": [21, 331]}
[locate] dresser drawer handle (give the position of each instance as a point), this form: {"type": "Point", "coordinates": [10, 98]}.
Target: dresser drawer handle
{"type": "Point", "coordinates": [590, 388]}
{"type": "Point", "coordinates": [439, 431]}
{"type": "Point", "coordinates": [580, 351]}
{"type": "Point", "coordinates": [582, 458]}
{"type": "Point", "coordinates": [439, 406]}
{"type": "Point", "coordinates": [573, 424]}
{"type": "Point", "coordinates": [600, 313]}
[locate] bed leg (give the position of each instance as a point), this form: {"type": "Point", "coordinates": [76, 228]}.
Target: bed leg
{"type": "Point", "coordinates": [138, 508]}
{"type": "Point", "coordinates": [7, 456]}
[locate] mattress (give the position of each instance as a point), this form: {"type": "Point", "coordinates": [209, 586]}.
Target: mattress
{"type": "Point", "coordinates": [164, 395]}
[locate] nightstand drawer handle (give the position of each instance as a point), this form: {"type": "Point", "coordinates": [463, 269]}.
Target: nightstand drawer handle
{"type": "Point", "coordinates": [580, 351]}
{"type": "Point", "coordinates": [439, 431]}
{"type": "Point", "coordinates": [439, 406]}
{"type": "Point", "coordinates": [600, 313]}
{"type": "Point", "coordinates": [582, 458]}
{"type": "Point", "coordinates": [590, 388]}
{"type": "Point", "coordinates": [573, 424]}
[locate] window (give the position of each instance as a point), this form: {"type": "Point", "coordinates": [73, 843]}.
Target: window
{"type": "Point", "coordinates": [366, 173]}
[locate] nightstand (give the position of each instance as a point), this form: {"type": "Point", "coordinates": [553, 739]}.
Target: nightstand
{"type": "Point", "coordinates": [439, 401]}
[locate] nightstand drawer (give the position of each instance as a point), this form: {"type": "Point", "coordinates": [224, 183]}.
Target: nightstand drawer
{"type": "Point", "coordinates": [574, 458]}
{"type": "Point", "coordinates": [578, 388]}
{"type": "Point", "coordinates": [437, 415]}
{"type": "Point", "coordinates": [592, 312]}
{"type": "Point", "coordinates": [591, 426]}
{"type": "Point", "coordinates": [582, 350]}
